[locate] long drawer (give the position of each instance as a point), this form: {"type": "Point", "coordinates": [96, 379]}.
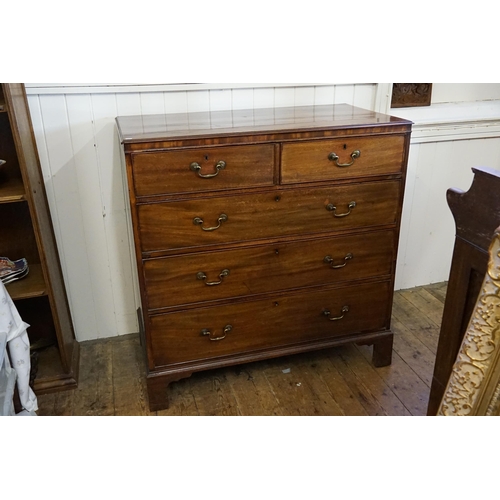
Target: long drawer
{"type": "Point", "coordinates": [229, 219]}
{"type": "Point", "coordinates": [202, 277]}
{"type": "Point", "coordinates": [207, 333]}
{"type": "Point", "coordinates": [204, 169]}
{"type": "Point", "coordinates": [349, 157]}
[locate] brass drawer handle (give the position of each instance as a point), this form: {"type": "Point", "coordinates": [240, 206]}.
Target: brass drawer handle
{"type": "Point", "coordinates": [345, 310]}
{"type": "Point", "coordinates": [329, 260]}
{"type": "Point", "coordinates": [198, 221]}
{"type": "Point", "coordinates": [202, 276]}
{"type": "Point", "coordinates": [334, 157]}
{"type": "Point", "coordinates": [208, 333]}
{"type": "Point", "coordinates": [332, 208]}
{"type": "Point", "coordinates": [196, 167]}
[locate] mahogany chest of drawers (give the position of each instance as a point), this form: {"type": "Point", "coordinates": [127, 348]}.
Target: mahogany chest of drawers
{"type": "Point", "coordinates": [263, 233]}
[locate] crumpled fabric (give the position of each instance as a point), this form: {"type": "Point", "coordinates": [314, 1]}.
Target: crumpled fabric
{"type": "Point", "coordinates": [19, 348]}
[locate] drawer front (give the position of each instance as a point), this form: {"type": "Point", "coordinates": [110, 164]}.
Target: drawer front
{"type": "Point", "coordinates": [328, 159]}
{"type": "Point", "coordinates": [219, 169]}
{"type": "Point", "coordinates": [174, 281]}
{"type": "Point", "coordinates": [197, 334]}
{"type": "Point", "coordinates": [221, 220]}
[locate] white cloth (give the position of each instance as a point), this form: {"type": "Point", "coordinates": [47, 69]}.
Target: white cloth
{"type": "Point", "coordinates": [19, 348]}
{"type": "Point", "coordinates": [7, 380]}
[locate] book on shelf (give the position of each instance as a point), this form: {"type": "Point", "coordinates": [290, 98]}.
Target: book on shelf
{"type": "Point", "coordinates": [13, 270]}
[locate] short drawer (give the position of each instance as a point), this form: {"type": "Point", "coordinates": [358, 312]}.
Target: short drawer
{"type": "Point", "coordinates": [344, 158]}
{"type": "Point", "coordinates": [208, 333]}
{"type": "Point", "coordinates": [174, 281]}
{"type": "Point", "coordinates": [231, 219]}
{"type": "Point", "coordinates": [204, 169]}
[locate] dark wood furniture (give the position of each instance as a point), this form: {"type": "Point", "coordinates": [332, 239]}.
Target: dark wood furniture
{"type": "Point", "coordinates": [263, 233]}
{"type": "Point", "coordinates": [474, 385]}
{"type": "Point", "coordinates": [26, 231]}
{"type": "Point", "coordinates": [477, 215]}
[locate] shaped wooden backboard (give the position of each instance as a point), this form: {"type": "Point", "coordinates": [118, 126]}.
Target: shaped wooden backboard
{"type": "Point", "coordinates": [477, 215]}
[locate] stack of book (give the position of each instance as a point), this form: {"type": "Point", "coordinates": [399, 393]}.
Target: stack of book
{"type": "Point", "coordinates": [12, 270]}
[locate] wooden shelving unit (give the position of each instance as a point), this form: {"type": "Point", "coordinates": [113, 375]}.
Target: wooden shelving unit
{"type": "Point", "coordinates": [12, 190]}
{"type": "Point", "coordinates": [26, 232]}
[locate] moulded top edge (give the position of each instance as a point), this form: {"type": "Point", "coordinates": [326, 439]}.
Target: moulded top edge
{"type": "Point", "coordinates": [171, 126]}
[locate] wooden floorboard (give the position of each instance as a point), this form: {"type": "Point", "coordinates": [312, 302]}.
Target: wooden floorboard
{"type": "Point", "coordinates": [334, 382]}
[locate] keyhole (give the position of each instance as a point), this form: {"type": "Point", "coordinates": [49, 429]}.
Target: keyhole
{"type": "Point", "coordinates": [345, 146]}
{"type": "Point", "coordinates": [206, 157]}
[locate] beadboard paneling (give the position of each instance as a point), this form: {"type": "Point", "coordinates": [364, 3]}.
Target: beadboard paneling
{"type": "Point", "coordinates": [81, 162]}
{"type": "Point", "coordinates": [80, 156]}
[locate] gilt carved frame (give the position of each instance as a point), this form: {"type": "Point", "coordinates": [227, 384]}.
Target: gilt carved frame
{"type": "Point", "coordinates": [474, 385]}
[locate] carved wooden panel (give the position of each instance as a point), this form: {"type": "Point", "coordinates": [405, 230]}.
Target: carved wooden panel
{"type": "Point", "coordinates": [406, 95]}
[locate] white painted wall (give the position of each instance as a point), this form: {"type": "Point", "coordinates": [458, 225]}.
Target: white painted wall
{"type": "Point", "coordinates": [464, 92]}
{"type": "Point", "coordinates": [80, 155]}
{"type": "Point", "coordinates": [448, 139]}
{"type": "Point", "coordinates": [428, 227]}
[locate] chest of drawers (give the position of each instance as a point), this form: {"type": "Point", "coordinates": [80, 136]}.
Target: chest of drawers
{"type": "Point", "coordinates": [263, 233]}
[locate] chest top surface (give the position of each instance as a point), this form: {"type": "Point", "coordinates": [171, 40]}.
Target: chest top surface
{"type": "Point", "coordinates": [150, 128]}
